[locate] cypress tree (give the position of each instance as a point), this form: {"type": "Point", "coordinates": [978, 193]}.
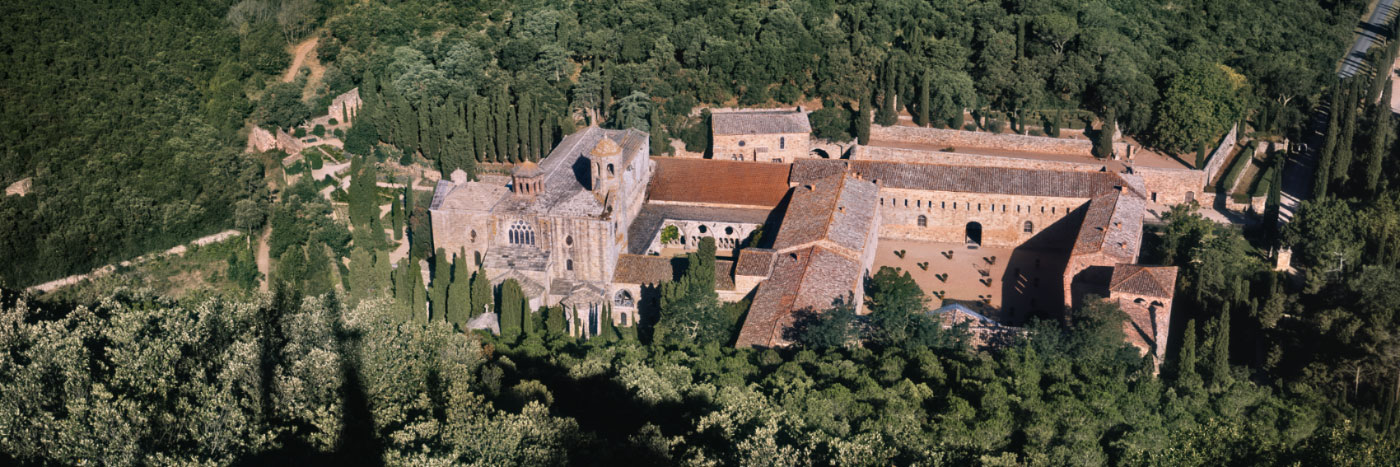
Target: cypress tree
{"type": "Point", "coordinates": [522, 128]}
{"type": "Point", "coordinates": [500, 103]}
{"type": "Point", "coordinates": [1341, 162]}
{"type": "Point", "coordinates": [606, 101]}
{"type": "Point", "coordinates": [1186, 376]}
{"type": "Point", "coordinates": [659, 143]}
{"type": "Point", "coordinates": [396, 217]}
{"type": "Point", "coordinates": [476, 109]}
{"type": "Point", "coordinates": [1220, 349]}
{"type": "Point", "coordinates": [1380, 141]}
{"type": "Point", "coordinates": [459, 294]}
{"type": "Point", "coordinates": [481, 293]}
{"type": "Point", "coordinates": [383, 275]}
{"type": "Point", "coordinates": [509, 310]}
{"type": "Point", "coordinates": [403, 291]}
{"type": "Point", "coordinates": [361, 274]}
{"type": "Point", "coordinates": [442, 279]}
{"type": "Point", "coordinates": [1103, 144]}
{"type": "Point", "coordinates": [608, 332]}
{"type": "Point", "coordinates": [887, 116]}
{"type": "Point", "coordinates": [554, 323]}
{"type": "Point", "coordinates": [863, 122]}
{"type": "Point", "coordinates": [923, 100]}
{"type": "Point", "coordinates": [418, 309]}
{"type": "Point", "coordinates": [318, 270]}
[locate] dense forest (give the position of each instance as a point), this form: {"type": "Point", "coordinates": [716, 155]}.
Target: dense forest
{"type": "Point", "coordinates": [131, 120]}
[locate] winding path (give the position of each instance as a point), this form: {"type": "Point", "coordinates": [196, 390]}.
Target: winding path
{"type": "Point", "coordinates": [108, 269]}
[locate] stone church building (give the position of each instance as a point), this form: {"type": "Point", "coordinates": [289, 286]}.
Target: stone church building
{"type": "Point", "coordinates": [796, 232]}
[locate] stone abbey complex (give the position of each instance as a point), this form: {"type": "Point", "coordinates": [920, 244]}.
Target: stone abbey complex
{"type": "Point", "coordinates": [1004, 226]}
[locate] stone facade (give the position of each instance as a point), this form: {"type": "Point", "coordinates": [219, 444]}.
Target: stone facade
{"type": "Point", "coordinates": [557, 228]}
{"type": "Point", "coordinates": [944, 216]}
{"type": "Point", "coordinates": [760, 135]}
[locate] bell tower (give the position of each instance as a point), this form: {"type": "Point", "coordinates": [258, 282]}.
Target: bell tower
{"type": "Point", "coordinates": [526, 179]}
{"type": "Point", "coordinates": [606, 159]}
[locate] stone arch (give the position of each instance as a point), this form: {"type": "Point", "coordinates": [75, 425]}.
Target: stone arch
{"type": "Point", "coordinates": [974, 234]}
{"type": "Point", "coordinates": [821, 153]}
{"type": "Point", "coordinates": [624, 298]}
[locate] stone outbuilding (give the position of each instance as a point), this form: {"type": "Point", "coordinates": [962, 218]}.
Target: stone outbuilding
{"type": "Point", "coordinates": [760, 135]}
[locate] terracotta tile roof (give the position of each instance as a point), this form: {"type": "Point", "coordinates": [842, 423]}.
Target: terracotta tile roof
{"type": "Point", "coordinates": [757, 122]}
{"type": "Point", "coordinates": [754, 262]}
{"type": "Point", "coordinates": [1112, 226]}
{"type": "Point", "coordinates": [762, 184]}
{"type": "Point", "coordinates": [999, 180]}
{"type": "Point", "coordinates": [1150, 281]}
{"type": "Point", "coordinates": [812, 278]}
{"type": "Point", "coordinates": [839, 208]}
{"type": "Point", "coordinates": [652, 270]}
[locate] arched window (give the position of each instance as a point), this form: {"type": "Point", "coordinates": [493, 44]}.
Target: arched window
{"type": "Point", "coordinates": [610, 170]}
{"type": "Point", "coordinates": [624, 319]}
{"type": "Point", "coordinates": [623, 298]}
{"type": "Point", "coordinates": [1028, 228]}
{"type": "Point", "coordinates": [923, 221]}
{"type": "Point", "coordinates": [473, 236]}
{"type": "Point", "coordinates": [569, 240]}
{"type": "Point", "coordinates": [521, 234]}
{"type": "Point", "coordinates": [782, 143]}
{"type": "Point", "coordinates": [569, 264]}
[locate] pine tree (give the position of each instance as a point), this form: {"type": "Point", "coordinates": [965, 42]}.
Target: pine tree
{"type": "Point", "coordinates": [442, 279]}
{"type": "Point", "coordinates": [1186, 376]}
{"type": "Point", "coordinates": [1380, 141]}
{"type": "Point", "coordinates": [863, 122]}
{"type": "Point", "coordinates": [922, 117]}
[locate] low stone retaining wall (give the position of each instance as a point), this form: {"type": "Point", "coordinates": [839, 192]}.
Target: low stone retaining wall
{"type": "Point", "coordinates": [877, 153]}
{"type": "Point", "coordinates": [1008, 142]}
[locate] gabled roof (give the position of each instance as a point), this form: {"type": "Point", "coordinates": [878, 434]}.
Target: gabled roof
{"type": "Point", "coordinates": [812, 278]}
{"type": "Point", "coordinates": [1112, 225]}
{"type": "Point", "coordinates": [954, 178]}
{"type": "Point", "coordinates": [839, 209]}
{"type": "Point", "coordinates": [707, 181]}
{"type": "Point", "coordinates": [1150, 281]}
{"type": "Point", "coordinates": [758, 122]}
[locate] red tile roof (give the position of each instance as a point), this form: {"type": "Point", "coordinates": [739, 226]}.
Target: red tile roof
{"type": "Point", "coordinates": [1150, 281]}
{"type": "Point", "coordinates": [811, 278]}
{"type": "Point", "coordinates": [761, 184]}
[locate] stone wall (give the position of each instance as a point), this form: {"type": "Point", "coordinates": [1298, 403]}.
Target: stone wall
{"type": "Point", "coordinates": [1216, 161]}
{"type": "Point", "coordinates": [880, 153]}
{"type": "Point", "coordinates": [260, 140]}
{"type": "Point", "coordinates": [1172, 186]}
{"type": "Point", "coordinates": [940, 137]}
{"type": "Point", "coordinates": [946, 216]}
{"type": "Point", "coordinates": [729, 236]}
{"type": "Point", "coordinates": [775, 147]}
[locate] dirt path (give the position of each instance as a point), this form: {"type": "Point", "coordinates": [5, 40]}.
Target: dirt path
{"type": "Point", "coordinates": [264, 257]}
{"type": "Point", "coordinates": [304, 54]}
{"type": "Point", "coordinates": [108, 269]}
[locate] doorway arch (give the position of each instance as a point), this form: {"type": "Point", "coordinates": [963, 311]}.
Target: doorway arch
{"type": "Point", "coordinates": [974, 234]}
{"type": "Point", "coordinates": [820, 153]}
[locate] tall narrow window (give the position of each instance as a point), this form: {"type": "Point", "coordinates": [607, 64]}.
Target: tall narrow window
{"type": "Point", "coordinates": [569, 264]}
{"type": "Point", "coordinates": [782, 143]}
{"type": "Point", "coordinates": [521, 234]}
